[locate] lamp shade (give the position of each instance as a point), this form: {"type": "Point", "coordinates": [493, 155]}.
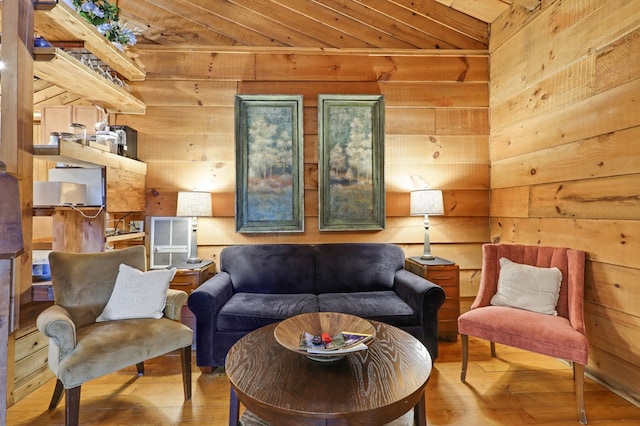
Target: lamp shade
{"type": "Point", "coordinates": [194, 204]}
{"type": "Point", "coordinates": [426, 202]}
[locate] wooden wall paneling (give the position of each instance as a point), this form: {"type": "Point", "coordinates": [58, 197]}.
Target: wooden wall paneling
{"type": "Point", "coordinates": [458, 121]}
{"type": "Point", "coordinates": [468, 176]}
{"type": "Point", "coordinates": [189, 175]}
{"type": "Point", "coordinates": [618, 62]}
{"type": "Point", "coordinates": [456, 203]}
{"type": "Point", "coordinates": [609, 241]}
{"type": "Point", "coordinates": [510, 202]}
{"type": "Point", "coordinates": [510, 22]}
{"type": "Point", "coordinates": [400, 230]}
{"type": "Point", "coordinates": [612, 286]}
{"type": "Point", "coordinates": [615, 372]}
{"type": "Point", "coordinates": [564, 168]}
{"type": "Point", "coordinates": [405, 149]}
{"type": "Point", "coordinates": [195, 93]}
{"type": "Point", "coordinates": [567, 86]}
{"type": "Point", "coordinates": [181, 64]}
{"type": "Point", "coordinates": [603, 113]}
{"type": "Point", "coordinates": [610, 198]}
{"type": "Point", "coordinates": [182, 148]}
{"type": "Point", "coordinates": [160, 147]}
{"type": "Point", "coordinates": [78, 231]}
{"type": "Point", "coordinates": [613, 332]}
{"type": "Point", "coordinates": [125, 190]}
{"type": "Point", "coordinates": [560, 36]}
{"type": "Point", "coordinates": [410, 121]}
{"type": "Point", "coordinates": [452, 67]}
{"type": "Point", "coordinates": [609, 154]}
{"type": "Point", "coordinates": [180, 120]}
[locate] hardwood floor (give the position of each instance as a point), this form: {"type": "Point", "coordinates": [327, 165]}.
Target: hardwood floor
{"type": "Point", "coordinates": [516, 388]}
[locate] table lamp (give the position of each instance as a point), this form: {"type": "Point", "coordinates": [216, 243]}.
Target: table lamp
{"type": "Point", "coordinates": [194, 204]}
{"type": "Point", "coordinates": [426, 202]}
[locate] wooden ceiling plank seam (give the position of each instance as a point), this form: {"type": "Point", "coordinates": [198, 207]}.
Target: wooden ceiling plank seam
{"type": "Point", "coordinates": [447, 16]}
{"type": "Point", "coordinates": [383, 16]}
{"type": "Point", "coordinates": [274, 15]}
{"type": "Point", "coordinates": [160, 26]}
{"type": "Point", "coordinates": [223, 25]}
{"type": "Point", "coordinates": [485, 10]}
{"type": "Point", "coordinates": [340, 22]}
{"type": "Point", "coordinates": [426, 25]}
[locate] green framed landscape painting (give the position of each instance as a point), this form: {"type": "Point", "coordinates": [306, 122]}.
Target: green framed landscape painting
{"type": "Point", "coordinates": [351, 162]}
{"type": "Point", "coordinates": [269, 163]}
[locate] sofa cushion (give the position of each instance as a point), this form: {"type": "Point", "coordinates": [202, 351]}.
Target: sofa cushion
{"type": "Point", "coordinates": [249, 311]}
{"type": "Point", "coordinates": [383, 306]}
{"type": "Point", "coordinates": [356, 267]}
{"type": "Point", "coordinates": [269, 268]}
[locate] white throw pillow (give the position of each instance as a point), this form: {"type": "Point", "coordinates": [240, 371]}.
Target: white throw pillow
{"type": "Point", "coordinates": [528, 287]}
{"type": "Point", "coordinates": [138, 294]}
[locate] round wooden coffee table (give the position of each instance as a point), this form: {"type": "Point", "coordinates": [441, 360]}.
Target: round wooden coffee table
{"type": "Point", "coordinates": [371, 387]}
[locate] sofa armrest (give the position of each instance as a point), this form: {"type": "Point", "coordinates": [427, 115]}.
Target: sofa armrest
{"type": "Point", "coordinates": [176, 299]}
{"type": "Point", "coordinates": [419, 293]}
{"type": "Point", "coordinates": [56, 323]}
{"type": "Point", "coordinates": [205, 301]}
{"type": "Point", "coordinates": [425, 298]}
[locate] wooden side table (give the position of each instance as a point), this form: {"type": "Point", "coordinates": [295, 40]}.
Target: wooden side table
{"type": "Point", "coordinates": [189, 277]}
{"type": "Point", "coordinates": [447, 275]}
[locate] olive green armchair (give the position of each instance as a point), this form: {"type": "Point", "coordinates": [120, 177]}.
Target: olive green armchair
{"type": "Point", "coordinates": [83, 346]}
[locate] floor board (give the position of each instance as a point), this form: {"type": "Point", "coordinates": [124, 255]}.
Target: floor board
{"type": "Point", "coordinates": [516, 388]}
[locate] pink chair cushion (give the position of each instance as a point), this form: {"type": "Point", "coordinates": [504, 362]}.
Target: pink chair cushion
{"type": "Point", "coordinates": [560, 336]}
{"type": "Point", "coordinates": [545, 334]}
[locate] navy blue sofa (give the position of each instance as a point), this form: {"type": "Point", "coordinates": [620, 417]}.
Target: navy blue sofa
{"type": "Point", "coordinates": [266, 283]}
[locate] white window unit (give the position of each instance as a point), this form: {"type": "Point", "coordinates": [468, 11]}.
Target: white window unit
{"type": "Point", "coordinates": [170, 241]}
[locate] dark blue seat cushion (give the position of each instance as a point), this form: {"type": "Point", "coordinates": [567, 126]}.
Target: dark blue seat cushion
{"type": "Point", "coordinates": [249, 311]}
{"type": "Point", "coordinates": [383, 306]}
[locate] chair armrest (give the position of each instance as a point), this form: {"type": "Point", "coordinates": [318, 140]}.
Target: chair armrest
{"type": "Point", "coordinates": [56, 323]}
{"type": "Point", "coordinates": [205, 301]}
{"type": "Point", "coordinates": [176, 299]}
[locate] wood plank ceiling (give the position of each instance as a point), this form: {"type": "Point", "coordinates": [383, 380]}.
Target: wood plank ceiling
{"type": "Point", "coordinates": [340, 24]}
{"type": "Point", "coordinates": [383, 24]}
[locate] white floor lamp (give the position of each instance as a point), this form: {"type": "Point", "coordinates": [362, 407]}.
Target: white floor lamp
{"type": "Point", "coordinates": [194, 204]}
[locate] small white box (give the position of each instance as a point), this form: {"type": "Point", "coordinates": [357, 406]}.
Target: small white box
{"type": "Point", "coordinates": [59, 193]}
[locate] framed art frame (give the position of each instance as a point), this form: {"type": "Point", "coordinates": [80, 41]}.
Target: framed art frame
{"type": "Point", "coordinates": [269, 163]}
{"type": "Point", "coordinates": [351, 162]}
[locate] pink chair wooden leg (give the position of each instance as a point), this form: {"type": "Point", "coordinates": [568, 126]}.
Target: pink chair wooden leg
{"type": "Point", "coordinates": [465, 356]}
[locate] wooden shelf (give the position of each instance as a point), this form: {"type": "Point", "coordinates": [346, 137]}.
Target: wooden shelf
{"type": "Point", "coordinates": [58, 67]}
{"type": "Point", "coordinates": [86, 156]}
{"type": "Point", "coordinates": [59, 22]}
{"type": "Point", "coordinates": [127, 236]}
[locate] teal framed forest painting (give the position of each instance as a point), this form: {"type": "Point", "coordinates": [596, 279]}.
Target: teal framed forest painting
{"type": "Point", "coordinates": [351, 162]}
{"type": "Point", "coordinates": [269, 163]}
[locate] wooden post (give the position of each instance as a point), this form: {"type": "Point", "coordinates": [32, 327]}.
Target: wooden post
{"type": "Point", "coordinates": [10, 247]}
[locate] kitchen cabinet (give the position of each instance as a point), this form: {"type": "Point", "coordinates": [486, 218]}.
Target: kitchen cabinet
{"type": "Point", "coordinates": [58, 118]}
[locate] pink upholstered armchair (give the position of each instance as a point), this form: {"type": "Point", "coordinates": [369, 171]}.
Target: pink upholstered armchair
{"type": "Point", "coordinates": [561, 336]}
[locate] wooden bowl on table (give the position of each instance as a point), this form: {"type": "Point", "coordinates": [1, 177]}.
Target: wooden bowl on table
{"type": "Point", "coordinates": [288, 332]}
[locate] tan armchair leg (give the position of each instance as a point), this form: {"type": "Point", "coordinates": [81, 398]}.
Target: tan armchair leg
{"type": "Point", "coordinates": [185, 358]}
{"type": "Point", "coordinates": [578, 378]}
{"type": "Point", "coordinates": [140, 368]}
{"type": "Point", "coordinates": [465, 356]}
{"type": "Point", "coordinates": [72, 406]}
{"type": "Point", "coordinates": [57, 395]}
